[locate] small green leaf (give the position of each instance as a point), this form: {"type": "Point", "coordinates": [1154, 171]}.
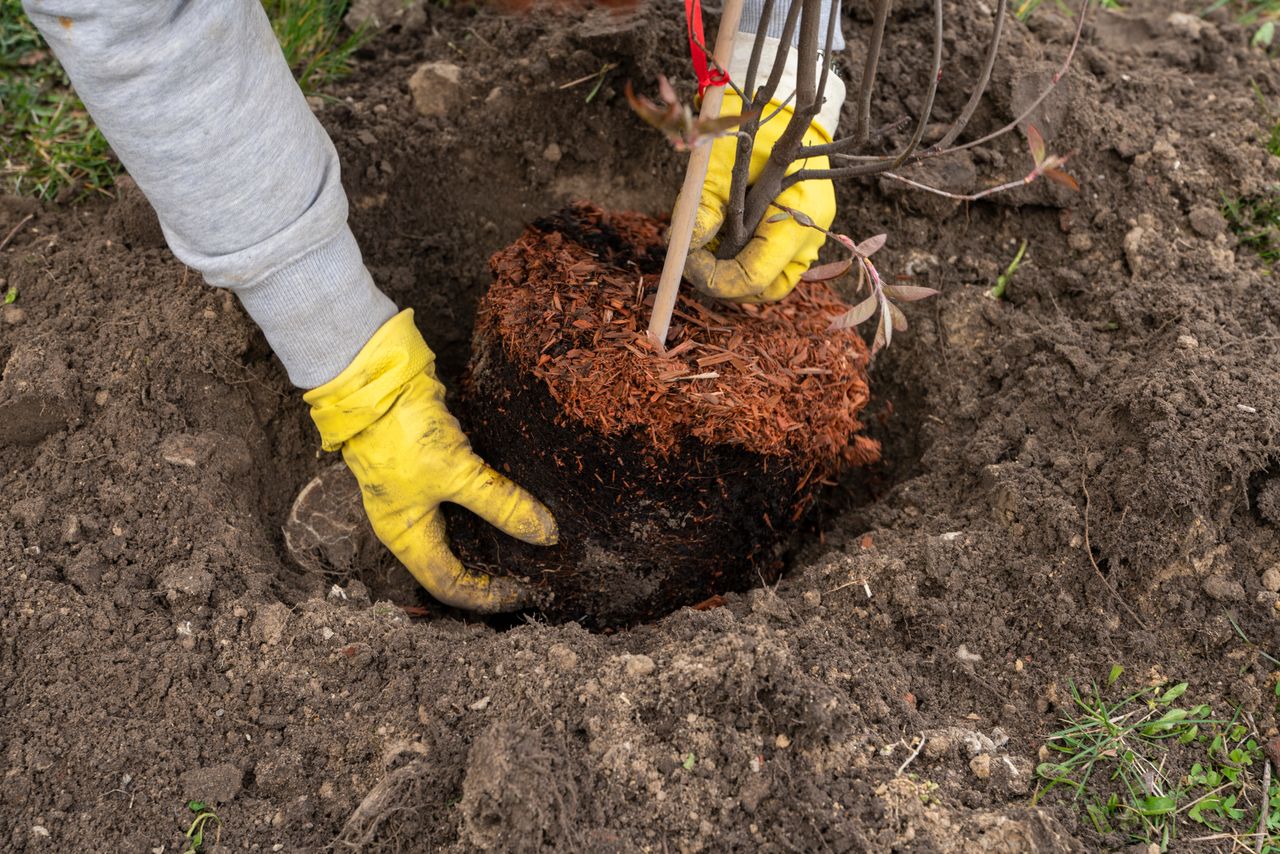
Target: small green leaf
{"type": "Point", "coordinates": [1156, 805]}
{"type": "Point", "coordinates": [689, 761]}
{"type": "Point", "coordinates": [11, 296]}
{"type": "Point", "coordinates": [196, 806]}
{"type": "Point", "coordinates": [1265, 35]}
{"type": "Point", "coordinates": [1174, 693]}
{"type": "Point", "coordinates": [1116, 670]}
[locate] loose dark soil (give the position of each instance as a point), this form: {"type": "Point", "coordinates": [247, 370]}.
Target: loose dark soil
{"type": "Point", "coordinates": [1081, 475]}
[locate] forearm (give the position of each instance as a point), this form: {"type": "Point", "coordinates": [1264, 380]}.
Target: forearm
{"type": "Point", "coordinates": [199, 104]}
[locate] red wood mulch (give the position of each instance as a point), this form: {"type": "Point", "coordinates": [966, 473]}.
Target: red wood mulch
{"type": "Point", "coordinates": [774, 379]}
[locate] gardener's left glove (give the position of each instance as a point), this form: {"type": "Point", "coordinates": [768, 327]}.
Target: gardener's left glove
{"type": "Point", "coordinates": [770, 265]}
{"type": "Point", "coordinates": [386, 412]}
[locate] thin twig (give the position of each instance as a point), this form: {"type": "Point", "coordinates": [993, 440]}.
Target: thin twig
{"type": "Point", "coordinates": [1088, 549]}
{"type": "Point", "coordinates": [912, 757]}
{"type": "Point", "coordinates": [734, 226]}
{"type": "Point", "coordinates": [770, 182]}
{"type": "Point", "coordinates": [26, 219]}
{"type": "Point", "coordinates": [886, 164]}
{"type": "Point", "coordinates": [962, 197]}
{"type": "Point", "coordinates": [978, 91]}
{"type": "Point", "coordinates": [870, 67]}
{"type": "Point", "coordinates": [864, 161]}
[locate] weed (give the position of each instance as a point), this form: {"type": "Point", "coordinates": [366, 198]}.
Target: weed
{"type": "Point", "coordinates": [1144, 766]}
{"type": "Point", "coordinates": [1003, 280]}
{"type": "Point", "coordinates": [1263, 15]}
{"type": "Point", "coordinates": [49, 142]}
{"type": "Point", "coordinates": [205, 817]}
{"type": "Point", "coordinates": [1255, 220]}
{"type": "Point", "coordinates": [311, 35]}
{"type": "Point", "coordinates": [1025, 9]}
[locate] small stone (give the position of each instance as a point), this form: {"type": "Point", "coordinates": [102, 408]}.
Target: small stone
{"type": "Point", "coordinates": [1271, 579]}
{"type": "Point", "coordinates": [938, 746]}
{"type": "Point", "coordinates": [13, 315]}
{"type": "Point", "coordinates": [552, 153]}
{"type": "Point", "coordinates": [184, 449]}
{"type": "Point", "coordinates": [187, 582]}
{"type": "Point", "coordinates": [638, 666]}
{"type": "Point", "coordinates": [980, 765]}
{"type": "Point", "coordinates": [562, 657]}
{"type": "Point", "coordinates": [101, 396]}
{"type": "Point", "coordinates": [1223, 589]}
{"type": "Point", "coordinates": [1079, 241]}
{"type": "Point", "coordinates": [1188, 342]}
{"type": "Point", "coordinates": [40, 830]}
{"type": "Point", "coordinates": [216, 783]}
{"type": "Point", "coordinates": [1207, 221]}
{"type": "Point", "coordinates": [811, 598]}
{"type": "Point", "coordinates": [782, 742]}
{"type": "Point", "coordinates": [481, 704]}
{"type": "Point", "coordinates": [71, 529]}
{"type": "Point", "coordinates": [436, 88]}
{"type": "Point", "coordinates": [963, 654]}
{"type": "Point", "coordinates": [1187, 26]}
{"type": "Point", "coordinates": [269, 626]}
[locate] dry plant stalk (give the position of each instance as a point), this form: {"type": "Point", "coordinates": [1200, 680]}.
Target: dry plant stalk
{"type": "Point", "coordinates": [750, 203]}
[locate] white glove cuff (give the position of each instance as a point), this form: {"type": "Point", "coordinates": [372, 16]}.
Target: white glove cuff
{"type": "Point", "coordinates": [828, 117]}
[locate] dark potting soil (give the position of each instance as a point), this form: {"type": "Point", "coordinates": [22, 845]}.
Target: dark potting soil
{"type": "Point", "coordinates": [673, 478]}
{"type": "Point", "coordinates": [156, 645]}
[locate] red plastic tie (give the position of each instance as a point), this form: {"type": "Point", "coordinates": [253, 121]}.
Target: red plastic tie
{"type": "Point", "coordinates": [707, 75]}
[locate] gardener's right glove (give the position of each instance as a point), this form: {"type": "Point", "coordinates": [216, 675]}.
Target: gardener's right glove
{"type": "Point", "coordinates": [386, 412]}
{"type": "Point", "coordinates": [770, 265]}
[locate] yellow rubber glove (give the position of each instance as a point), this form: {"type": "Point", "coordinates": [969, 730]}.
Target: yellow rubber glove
{"type": "Point", "coordinates": [767, 269]}
{"type": "Point", "coordinates": [386, 412]}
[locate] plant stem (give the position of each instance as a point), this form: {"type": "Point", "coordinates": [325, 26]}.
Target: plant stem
{"type": "Point", "coordinates": [862, 130]}
{"type": "Point", "coordinates": [681, 231]}
{"type": "Point", "coordinates": [769, 183]}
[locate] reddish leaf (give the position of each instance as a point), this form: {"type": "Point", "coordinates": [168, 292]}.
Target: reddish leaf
{"type": "Point", "coordinates": [666, 90]}
{"type": "Point", "coordinates": [826, 272]}
{"type": "Point", "coordinates": [1057, 176]}
{"type": "Point", "coordinates": [878, 344]}
{"type": "Point", "coordinates": [662, 118]}
{"type": "Point", "coordinates": [861, 312]}
{"type": "Point", "coordinates": [1036, 142]}
{"type": "Point", "coordinates": [899, 319]}
{"type": "Point", "coordinates": [720, 124]}
{"type": "Point", "coordinates": [886, 320]}
{"type": "Point", "coordinates": [871, 245]}
{"type": "Point", "coordinates": [908, 293]}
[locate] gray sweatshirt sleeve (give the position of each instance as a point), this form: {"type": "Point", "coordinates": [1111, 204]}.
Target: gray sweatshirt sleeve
{"type": "Point", "coordinates": [753, 10]}
{"type": "Point", "coordinates": [198, 102]}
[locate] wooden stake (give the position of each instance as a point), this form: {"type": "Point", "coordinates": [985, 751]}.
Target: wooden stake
{"type": "Point", "coordinates": [681, 232]}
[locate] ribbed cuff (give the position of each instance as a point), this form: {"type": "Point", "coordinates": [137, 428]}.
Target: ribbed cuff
{"type": "Point", "coordinates": [828, 118]}
{"type": "Point", "coordinates": [319, 311]}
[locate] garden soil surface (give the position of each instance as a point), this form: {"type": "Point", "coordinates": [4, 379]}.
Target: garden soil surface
{"type": "Point", "coordinates": [1081, 475]}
